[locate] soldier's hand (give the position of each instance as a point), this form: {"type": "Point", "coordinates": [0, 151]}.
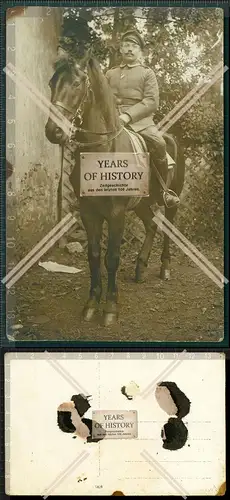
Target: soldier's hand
{"type": "Point", "coordinates": [125, 118]}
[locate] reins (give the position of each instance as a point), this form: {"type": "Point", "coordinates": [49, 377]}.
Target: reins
{"type": "Point", "coordinates": [75, 129]}
{"type": "Point", "coordinates": [95, 143]}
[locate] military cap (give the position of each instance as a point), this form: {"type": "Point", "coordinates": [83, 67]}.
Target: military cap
{"type": "Point", "coordinates": [133, 36]}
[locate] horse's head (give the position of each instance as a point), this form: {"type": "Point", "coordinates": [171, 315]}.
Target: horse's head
{"type": "Point", "coordinates": [68, 88]}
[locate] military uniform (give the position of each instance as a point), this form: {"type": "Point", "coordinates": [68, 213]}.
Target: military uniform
{"type": "Point", "coordinates": [136, 90]}
{"type": "Point", "coordinates": [137, 94]}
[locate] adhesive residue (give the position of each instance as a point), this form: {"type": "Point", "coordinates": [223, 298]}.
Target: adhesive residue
{"type": "Point", "coordinates": [168, 395]}
{"type": "Point", "coordinates": [174, 434]}
{"type": "Point", "coordinates": [69, 419]}
{"type": "Point", "coordinates": [130, 390]}
{"type": "Point", "coordinates": [172, 400]}
{"type": "Point", "coordinates": [175, 403]}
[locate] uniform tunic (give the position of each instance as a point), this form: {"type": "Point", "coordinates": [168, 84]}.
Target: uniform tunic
{"type": "Point", "coordinates": [137, 94]}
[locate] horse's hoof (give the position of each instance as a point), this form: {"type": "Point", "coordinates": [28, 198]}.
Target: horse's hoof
{"type": "Point", "coordinates": [109, 319]}
{"type": "Point", "coordinates": [165, 274]}
{"type": "Point", "coordinates": [140, 274]}
{"type": "Point", "coordinates": [88, 313]}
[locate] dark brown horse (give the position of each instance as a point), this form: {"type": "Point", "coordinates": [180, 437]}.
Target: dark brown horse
{"type": "Point", "coordinates": [83, 90]}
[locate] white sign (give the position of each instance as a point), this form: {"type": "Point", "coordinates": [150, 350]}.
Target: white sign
{"type": "Point", "coordinates": [114, 174]}
{"type": "Point", "coordinates": [114, 424]}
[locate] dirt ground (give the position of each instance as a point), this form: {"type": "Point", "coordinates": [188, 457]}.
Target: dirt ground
{"type": "Point", "coordinates": [189, 307]}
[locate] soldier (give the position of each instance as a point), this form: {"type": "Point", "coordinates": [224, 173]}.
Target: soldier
{"type": "Point", "coordinates": [137, 96]}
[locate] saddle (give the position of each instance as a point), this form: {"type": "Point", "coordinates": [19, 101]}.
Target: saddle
{"type": "Point", "coordinates": [139, 145]}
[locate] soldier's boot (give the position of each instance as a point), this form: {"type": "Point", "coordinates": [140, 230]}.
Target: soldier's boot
{"type": "Point", "coordinates": [165, 197]}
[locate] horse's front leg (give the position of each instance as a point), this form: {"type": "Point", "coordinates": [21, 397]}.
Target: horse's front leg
{"type": "Point", "coordinates": [93, 225]}
{"type": "Point", "coordinates": [112, 259]}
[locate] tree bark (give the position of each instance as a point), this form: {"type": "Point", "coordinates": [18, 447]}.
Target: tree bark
{"type": "Point", "coordinates": [114, 56]}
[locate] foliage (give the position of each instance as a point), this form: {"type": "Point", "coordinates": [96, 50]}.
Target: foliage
{"type": "Point", "coordinates": [182, 46]}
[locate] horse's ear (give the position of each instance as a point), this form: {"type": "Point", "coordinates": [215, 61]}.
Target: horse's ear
{"type": "Point", "coordinates": [90, 73]}
{"type": "Point", "coordinates": [93, 64]}
{"type": "Point", "coordinates": [84, 61]}
{"type": "Point", "coordinates": [94, 71]}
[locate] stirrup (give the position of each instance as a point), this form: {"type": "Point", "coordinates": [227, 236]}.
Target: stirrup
{"type": "Point", "coordinates": [170, 198]}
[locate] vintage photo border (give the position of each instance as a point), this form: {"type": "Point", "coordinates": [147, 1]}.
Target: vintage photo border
{"type": "Point", "coordinates": [53, 356]}
{"type": "Point", "coordinates": [195, 4]}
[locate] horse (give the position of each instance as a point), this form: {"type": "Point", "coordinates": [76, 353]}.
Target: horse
{"type": "Point", "coordinates": [80, 91]}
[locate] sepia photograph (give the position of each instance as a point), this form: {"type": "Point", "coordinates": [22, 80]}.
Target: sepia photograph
{"type": "Point", "coordinates": [96, 423]}
{"type": "Point", "coordinates": [115, 174]}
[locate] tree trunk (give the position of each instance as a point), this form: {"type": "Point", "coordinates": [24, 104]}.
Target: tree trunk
{"type": "Point", "coordinates": [114, 53]}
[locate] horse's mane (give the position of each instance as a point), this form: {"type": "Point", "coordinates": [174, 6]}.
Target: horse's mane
{"type": "Point", "coordinates": [103, 94]}
{"type": "Point", "coordinates": [61, 65]}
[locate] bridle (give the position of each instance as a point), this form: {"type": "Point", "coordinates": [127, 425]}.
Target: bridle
{"type": "Point", "coordinates": [79, 115]}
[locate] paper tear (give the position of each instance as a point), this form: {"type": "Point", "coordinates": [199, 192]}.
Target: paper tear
{"type": "Point", "coordinates": [82, 429]}
{"type": "Point", "coordinates": [165, 400]}
{"type": "Point", "coordinates": [130, 390]}
{"type": "Point", "coordinates": [58, 268]}
{"type": "Point", "coordinates": [174, 434]}
{"type": "Point", "coordinates": [172, 400]}
{"type": "Point", "coordinates": [69, 418]}
{"type": "Point", "coordinates": [81, 403]}
{"type": "Point", "coordinates": [89, 423]}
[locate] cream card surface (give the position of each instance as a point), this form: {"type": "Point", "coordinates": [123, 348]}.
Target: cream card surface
{"type": "Point", "coordinates": [43, 460]}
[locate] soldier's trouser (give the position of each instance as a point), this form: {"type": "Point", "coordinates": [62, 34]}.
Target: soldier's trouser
{"type": "Point", "coordinates": [153, 135]}
{"type": "Point", "coordinates": [158, 147]}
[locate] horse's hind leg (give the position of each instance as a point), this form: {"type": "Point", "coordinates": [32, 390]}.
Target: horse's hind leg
{"type": "Point", "coordinates": [144, 212]}
{"type": "Point", "coordinates": [165, 256]}
{"type": "Point", "coordinates": [93, 223]}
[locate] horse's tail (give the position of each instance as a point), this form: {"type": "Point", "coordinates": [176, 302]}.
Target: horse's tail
{"type": "Point", "coordinates": [180, 170]}
{"type": "Point", "coordinates": [177, 153]}
{"type": "Point", "coordinates": [171, 146]}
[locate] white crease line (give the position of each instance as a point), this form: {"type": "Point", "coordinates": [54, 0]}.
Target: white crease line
{"type": "Point", "coordinates": [146, 455]}
{"type": "Point", "coordinates": [169, 369]}
{"type": "Point", "coordinates": [190, 94]}
{"type": "Point", "coordinates": [65, 374]}
{"type": "Point", "coordinates": [193, 100]}
{"type": "Point", "coordinates": [11, 70]}
{"type": "Point", "coordinates": [62, 476]}
{"type": "Point", "coordinates": [35, 95]}
{"type": "Point", "coordinates": [37, 247]}
{"type": "Point", "coordinates": [37, 101]}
